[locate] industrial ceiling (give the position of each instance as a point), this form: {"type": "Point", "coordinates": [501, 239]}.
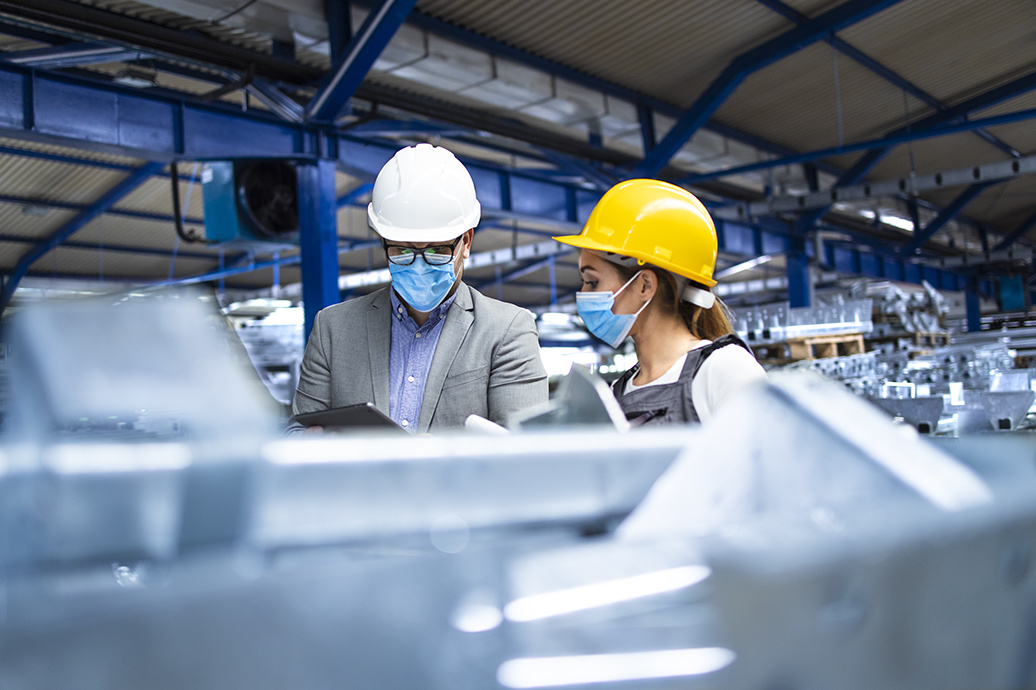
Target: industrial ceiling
{"type": "Point", "coordinates": [889, 139]}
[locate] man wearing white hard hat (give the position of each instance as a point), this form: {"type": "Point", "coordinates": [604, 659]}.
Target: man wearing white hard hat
{"type": "Point", "coordinates": [428, 351]}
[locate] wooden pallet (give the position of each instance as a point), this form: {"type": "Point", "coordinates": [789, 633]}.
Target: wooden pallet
{"type": "Point", "coordinates": [931, 339]}
{"type": "Point", "coordinates": [922, 339]}
{"type": "Point", "coordinates": [823, 346]}
{"type": "Point", "coordinates": [813, 347]}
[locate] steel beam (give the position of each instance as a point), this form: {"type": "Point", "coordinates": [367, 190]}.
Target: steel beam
{"type": "Point", "coordinates": [842, 16]}
{"type": "Point", "coordinates": [115, 248]}
{"type": "Point", "coordinates": [1014, 88]}
{"type": "Point", "coordinates": [107, 200]}
{"type": "Point", "coordinates": [992, 172]}
{"type": "Point", "coordinates": [351, 196]}
{"type": "Point", "coordinates": [645, 104]}
{"type": "Point", "coordinates": [948, 214]}
{"type": "Point", "coordinates": [879, 69]}
{"type": "Point", "coordinates": [1016, 234]}
{"type": "Point", "coordinates": [525, 270]}
{"type": "Point", "coordinates": [533, 253]}
{"type": "Point", "coordinates": [80, 208]}
{"type": "Point", "coordinates": [133, 32]}
{"type": "Point", "coordinates": [70, 55]}
{"type": "Point", "coordinates": [883, 142]}
{"type": "Point", "coordinates": [378, 29]}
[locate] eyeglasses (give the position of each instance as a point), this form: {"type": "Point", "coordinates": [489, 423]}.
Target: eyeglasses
{"type": "Point", "coordinates": [435, 255]}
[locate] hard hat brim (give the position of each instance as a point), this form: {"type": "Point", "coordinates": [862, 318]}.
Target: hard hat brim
{"type": "Point", "coordinates": [394, 234]}
{"type": "Point", "coordinates": [583, 242]}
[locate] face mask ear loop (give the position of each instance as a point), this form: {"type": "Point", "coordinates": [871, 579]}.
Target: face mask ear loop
{"type": "Point", "coordinates": [616, 293]}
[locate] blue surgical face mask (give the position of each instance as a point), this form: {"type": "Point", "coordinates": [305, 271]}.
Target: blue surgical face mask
{"type": "Point", "coordinates": [595, 309]}
{"type": "Point", "coordinates": [422, 286]}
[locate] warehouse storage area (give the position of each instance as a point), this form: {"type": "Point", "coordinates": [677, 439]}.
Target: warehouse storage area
{"type": "Point", "coordinates": [186, 184]}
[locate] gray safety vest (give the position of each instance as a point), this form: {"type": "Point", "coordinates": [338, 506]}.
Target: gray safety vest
{"type": "Point", "coordinates": [668, 403]}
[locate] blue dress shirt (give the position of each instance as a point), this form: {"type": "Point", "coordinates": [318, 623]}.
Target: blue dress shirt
{"type": "Point", "coordinates": [410, 358]}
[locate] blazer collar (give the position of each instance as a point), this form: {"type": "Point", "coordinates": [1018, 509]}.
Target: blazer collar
{"type": "Point", "coordinates": [379, 335]}
{"type": "Point", "coordinates": [458, 321]}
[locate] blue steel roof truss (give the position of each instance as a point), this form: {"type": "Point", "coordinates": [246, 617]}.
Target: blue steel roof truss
{"type": "Point", "coordinates": [162, 128]}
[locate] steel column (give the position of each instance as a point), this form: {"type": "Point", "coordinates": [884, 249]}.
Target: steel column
{"type": "Point", "coordinates": [318, 230]}
{"type": "Point", "coordinates": [799, 286]}
{"type": "Point", "coordinates": [339, 27]}
{"type": "Point", "coordinates": [972, 302]}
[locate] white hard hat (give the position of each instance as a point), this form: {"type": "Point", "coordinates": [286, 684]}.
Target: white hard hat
{"type": "Point", "coordinates": [423, 194]}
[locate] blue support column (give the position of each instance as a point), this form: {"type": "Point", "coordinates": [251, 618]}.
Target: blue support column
{"type": "Point", "coordinates": [973, 305]}
{"type": "Point", "coordinates": [318, 234]}
{"type": "Point", "coordinates": [339, 27]}
{"type": "Point", "coordinates": [798, 274]}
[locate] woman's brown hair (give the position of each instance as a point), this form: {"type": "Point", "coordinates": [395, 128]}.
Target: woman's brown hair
{"type": "Point", "coordinates": [707, 324]}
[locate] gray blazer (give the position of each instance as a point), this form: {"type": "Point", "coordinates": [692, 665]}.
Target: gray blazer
{"type": "Point", "coordinates": [487, 361]}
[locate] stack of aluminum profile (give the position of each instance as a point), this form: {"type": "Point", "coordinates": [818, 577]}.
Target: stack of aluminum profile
{"type": "Point", "coordinates": [275, 350]}
{"type": "Point", "coordinates": [974, 367]}
{"type": "Point", "coordinates": [898, 311]}
{"type": "Point", "coordinates": [776, 323]}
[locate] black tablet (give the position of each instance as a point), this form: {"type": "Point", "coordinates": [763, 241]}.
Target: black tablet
{"type": "Point", "coordinates": [361, 416]}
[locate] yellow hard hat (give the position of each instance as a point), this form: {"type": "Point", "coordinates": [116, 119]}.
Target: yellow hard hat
{"type": "Point", "coordinates": [654, 222]}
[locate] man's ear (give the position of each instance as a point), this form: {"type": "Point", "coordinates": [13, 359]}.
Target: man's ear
{"type": "Point", "coordinates": [466, 242]}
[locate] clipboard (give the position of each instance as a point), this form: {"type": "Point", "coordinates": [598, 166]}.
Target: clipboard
{"type": "Point", "coordinates": [355, 417]}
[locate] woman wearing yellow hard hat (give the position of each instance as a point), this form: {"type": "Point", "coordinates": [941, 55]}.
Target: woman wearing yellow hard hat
{"type": "Point", "coordinates": [648, 253]}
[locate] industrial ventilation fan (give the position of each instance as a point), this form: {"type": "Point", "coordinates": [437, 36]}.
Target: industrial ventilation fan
{"type": "Point", "coordinates": [251, 201]}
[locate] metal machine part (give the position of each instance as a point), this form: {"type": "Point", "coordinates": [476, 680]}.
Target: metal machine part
{"type": "Point", "coordinates": [581, 398]}
{"type": "Point", "coordinates": [132, 367]}
{"type": "Point", "coordinates": [802, 539]}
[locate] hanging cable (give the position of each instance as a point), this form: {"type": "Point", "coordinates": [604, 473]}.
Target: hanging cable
{"type": "Point", "coordinates": [177, 212]}
{"type": "Point", "coordinates": [230, 14]}
{"type": "Point", "coordinates": [910, 144]}
{"type": "Point", "coordinates": [838, 97]}
{"type": "Point", "coordinates": [233, 86]}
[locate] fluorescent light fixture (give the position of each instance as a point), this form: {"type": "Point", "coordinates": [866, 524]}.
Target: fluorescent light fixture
{"type": "Point", "coordinates": [582, 598]}
{"type": "Point", "coordinates": [552, 672]}
{"type": "Point", "coordinates": [897, 222]}
{"type": "Point", "coordinates": [137, 77]}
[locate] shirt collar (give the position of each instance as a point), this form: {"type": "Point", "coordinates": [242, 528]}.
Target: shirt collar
{"type": "Point", "coordinates": [399, 309]}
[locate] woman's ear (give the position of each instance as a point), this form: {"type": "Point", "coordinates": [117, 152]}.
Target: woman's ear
{"type": "Point", "coordinates": [648, 283]}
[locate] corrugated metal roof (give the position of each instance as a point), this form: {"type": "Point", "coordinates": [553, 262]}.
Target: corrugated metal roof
{"type": "Point", "coordinates": [53, 181]}
{"type": "Point", "coordinates": [82, 154]}
{"type": "Point", "coordinates": [952, 49]}
{"type": "Point", "coordinates": [670, 50]}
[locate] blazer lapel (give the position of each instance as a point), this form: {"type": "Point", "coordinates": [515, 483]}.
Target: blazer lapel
{"type": "Point", "coordinates": [458, 321]}
{"type": "Point", "coordinates": [379, 340]}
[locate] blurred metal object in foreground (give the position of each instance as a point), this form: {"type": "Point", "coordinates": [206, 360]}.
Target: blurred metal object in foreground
{"type": "Point", "coordinates": [816, 545]}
